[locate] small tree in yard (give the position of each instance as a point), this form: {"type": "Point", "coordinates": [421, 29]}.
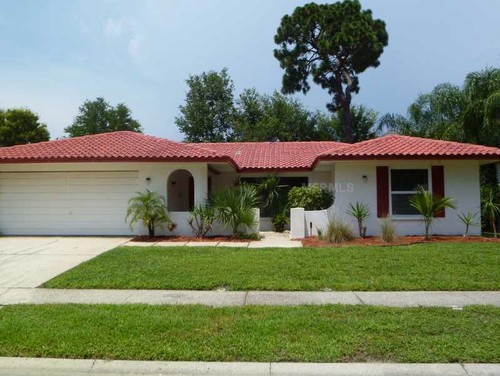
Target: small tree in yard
{"type": "Point", "coordinates": [148, 207]}
{"type": "Point", "coordinates": [361, 212]}
{"type": "Point", "coordinates": [491, 209]}
{"type": "Point", "coordinates": [468, 219]}
{"type": "Point", "coordinates": [429, 206]}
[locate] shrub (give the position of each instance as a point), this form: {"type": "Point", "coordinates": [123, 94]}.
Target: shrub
{"type": "Point", "coordinates": [429, 205]}
{"type": "Point", "coordinates": [361, 212]}
{"type": "Point", "coordinates": [468, 219]}
{"type": "Point", "coordinates": [279, 222]}
{"type": "Point", "coordinates": [234, 206]}
{"type": "Point", "coordinates": [310, 198]}
{"type": "Point", "coordinates": [148, 207]}
{"type": "Point", "coordinates": [201, 220]}
{"type": "Point", "coordinates": [387, 231]}
{"type": "Point", "coordinates": [338, 231]}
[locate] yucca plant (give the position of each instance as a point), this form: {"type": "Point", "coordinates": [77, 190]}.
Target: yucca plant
{"type": "Point", "coordinates": [361, 212]}
{"type": "Point", "coordinates": [201, 220]}
{"type": "Point", "coordinates": [148, 207]}
{"type": "Point", "coordinates": [468, 219]}
{"type": "Point", "coordinates": [491, 209]}
{"type": "Point", "coordinates": [429, 205]}
{"type": "Point", "coordinates": [234, 206]}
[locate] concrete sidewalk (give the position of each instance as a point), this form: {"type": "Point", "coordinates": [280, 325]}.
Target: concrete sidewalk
{"type": "Point", "coordinates": [453, 299]}
{"type": "Point", "coordinates": [56, 367]}
{"type": "Point", "coordinates": [269, 239]}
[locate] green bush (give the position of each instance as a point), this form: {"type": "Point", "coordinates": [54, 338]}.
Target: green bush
{"type": "Point", "coordinates": [234, 207]}
{"type": "Point", "coordinates": [310, 198]}
{"type": "Point", "coordinates": [279, 222]}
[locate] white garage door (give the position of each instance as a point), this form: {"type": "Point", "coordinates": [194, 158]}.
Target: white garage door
{"type": "Point", "coordinates": [66, 203]}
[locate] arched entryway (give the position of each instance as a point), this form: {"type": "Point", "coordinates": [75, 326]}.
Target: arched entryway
{"type": "Point", "coordinates": [180, 191]}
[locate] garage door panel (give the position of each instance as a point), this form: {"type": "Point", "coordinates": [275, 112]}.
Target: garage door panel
{"type": "Point", "coordinates": [101, 188]}
{"type": "Point", "coordinates": [33, 189]}
{"type": "Point", "coordinates": [69, 203]}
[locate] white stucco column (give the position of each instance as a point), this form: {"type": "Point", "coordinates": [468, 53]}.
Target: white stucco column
{"type": "Point", "coordinates": [297, 227]}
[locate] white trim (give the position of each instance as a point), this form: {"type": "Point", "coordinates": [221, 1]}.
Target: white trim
{"type": "Point", "coordinates": [391, 192]}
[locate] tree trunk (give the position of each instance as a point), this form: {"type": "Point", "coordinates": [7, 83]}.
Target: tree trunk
{"type": "Point", "coordinates": [345, 103]}
{"type": "Point", "coordinates": [151, 229]}
{"type": "Point", "coordinates": [347, 122]}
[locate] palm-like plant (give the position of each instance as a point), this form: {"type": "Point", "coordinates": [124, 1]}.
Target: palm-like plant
{"type": "Point", "coordinates": [429, 206]}
{"type": "Point", "coordinates": [361, 212]}
{"type": "Point", "coordinates": [468, 219]}
{"type": "Point", "coordinates": [148, 207]}
{"type": "Point", "coordinates": [491, 208]}
{"type": "Point", "coordinates": [234, 206]}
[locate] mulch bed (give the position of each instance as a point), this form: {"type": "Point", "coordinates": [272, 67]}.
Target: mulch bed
{"type": "Point", "coordinates": [402, 240]}
{"type": "Point", "coordinates": [183, 239]}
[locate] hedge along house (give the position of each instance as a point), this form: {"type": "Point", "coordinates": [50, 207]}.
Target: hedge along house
{"type": "Point", "coordinates": [81, 186]}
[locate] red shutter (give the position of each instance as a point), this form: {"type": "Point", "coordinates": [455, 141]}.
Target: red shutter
{"type": "Point", "coordinates": [382, 191]}
{"type": "Point", "coordinates": [438, 184]}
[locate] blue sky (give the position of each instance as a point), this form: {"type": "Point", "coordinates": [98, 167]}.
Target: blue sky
{"type": "Point", "coordinates": [57, 53]}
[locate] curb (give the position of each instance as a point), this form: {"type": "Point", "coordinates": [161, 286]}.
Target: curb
{"type": "Point", "coordinates": [49, 366]}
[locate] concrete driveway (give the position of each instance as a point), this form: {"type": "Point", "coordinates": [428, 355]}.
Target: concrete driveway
{"type": "Point", "coordinates": [30, 261]}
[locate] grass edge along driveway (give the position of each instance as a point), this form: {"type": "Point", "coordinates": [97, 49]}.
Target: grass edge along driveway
{"type": "Point", "coordinates": [332, 333]}
{"type": "Point", "coordinates": [431, 267]}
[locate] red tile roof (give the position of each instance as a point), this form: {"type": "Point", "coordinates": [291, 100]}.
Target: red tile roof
{"type": "Point", "coordinates": [243, 156]}
{"type": "Point", "coordinates": [254, 156]}
{"type": "Point", "coordinates": [114, 146]}
{"type": "Point", "coordinates": [394, 146]}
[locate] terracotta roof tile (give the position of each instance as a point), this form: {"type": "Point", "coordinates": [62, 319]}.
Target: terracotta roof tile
{"type": "Point", "coordinates": [394, 146]}
{"type": "Point", "coordinates": [114, 146]}
{"type": "Point", "coordinates": [282, 156]}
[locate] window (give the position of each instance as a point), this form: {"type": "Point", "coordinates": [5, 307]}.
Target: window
{"type": "Point", "coordinates": [404, 184]}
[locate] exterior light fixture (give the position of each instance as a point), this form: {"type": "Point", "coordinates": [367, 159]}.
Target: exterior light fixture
{"type": "Point", "coordinates": [365, 178]}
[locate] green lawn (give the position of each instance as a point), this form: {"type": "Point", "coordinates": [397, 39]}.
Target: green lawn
{"type": "Point", "coordinates": [304, 333]}
{"type": "Point", "coordinates": [469, 266]}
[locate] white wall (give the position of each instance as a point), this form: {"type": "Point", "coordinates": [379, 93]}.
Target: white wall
{"type": "Point", "coordinates": [157, 172]}
{"type": "Point", "coordinates": [461, 183]}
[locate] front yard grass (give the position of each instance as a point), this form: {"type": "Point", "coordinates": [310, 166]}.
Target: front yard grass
{"type": "Point", "coordinates": [467, 266]}
{"type": "Point", "coordinates": [305, 333]}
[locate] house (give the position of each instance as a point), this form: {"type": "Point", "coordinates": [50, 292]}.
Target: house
{"type": "Point", "coordinates": [81, 186]}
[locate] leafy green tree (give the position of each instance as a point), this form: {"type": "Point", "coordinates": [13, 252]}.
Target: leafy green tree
{"type": "Point", "coordinates": [333, 43]}
{"type": "Point", "coordinates": [149, 208]}
{"type": "Point", "coordinates": [98, 116]}
{"type": "Point", "coordinates": [364, 122]}
{"type": "Point", "coordinates": [433, 115]}
{"type": "Point", "coordinates": [272, 118]}
{"type": "Point", "coordinates": [21, 126]}
{"type": "Point", "coordinates": [208, 112]}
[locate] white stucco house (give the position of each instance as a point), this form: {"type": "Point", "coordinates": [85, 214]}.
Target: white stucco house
{"type": "Point", "coordinates": [81, 186]}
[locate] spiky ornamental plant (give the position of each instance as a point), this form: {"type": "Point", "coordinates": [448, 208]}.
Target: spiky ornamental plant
{"type": "Point", "coordinates": [429, 206]}
{"type": "Point", "coordinates": [148, 207]}
{"type": "Point", "coordinates": [468, 219]}
{"type": "Point", "coordinates": [361, 212]}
